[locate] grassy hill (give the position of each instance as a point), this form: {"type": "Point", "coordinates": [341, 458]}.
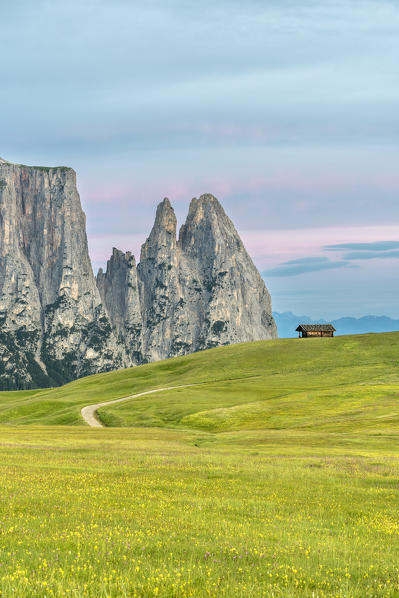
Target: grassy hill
{"type": "Point", "coordinates": [343, 384]}
{"type": "Point", "coordinates": [275, 475]}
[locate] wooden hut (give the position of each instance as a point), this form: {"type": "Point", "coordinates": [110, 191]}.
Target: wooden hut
{"type": "Point", "coordinates": [315, 330]}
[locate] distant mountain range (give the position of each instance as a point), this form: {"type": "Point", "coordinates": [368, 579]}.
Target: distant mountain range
{"type": "Point", "coordinates": [287, 322]}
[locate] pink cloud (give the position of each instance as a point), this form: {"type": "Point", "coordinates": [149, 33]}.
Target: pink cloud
{"type": "Point", "coordinates": [182, 185]}
{"type": "Point", "coordinates": [271, 247]}
{"type": "Point", "coordinates": [106, 193]}
{"type": "Point", "coordinates": [141, 192]}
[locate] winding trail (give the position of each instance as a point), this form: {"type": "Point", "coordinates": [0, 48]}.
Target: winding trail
{"type": "Point", "coordinates": [90, 415]}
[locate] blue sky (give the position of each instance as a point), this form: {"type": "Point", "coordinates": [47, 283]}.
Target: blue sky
{"type": "Point", "coordinates": [285, 110]}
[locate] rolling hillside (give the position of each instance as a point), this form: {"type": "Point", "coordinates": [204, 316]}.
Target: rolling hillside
{"type": "Point", "coordinates": [344, 384]}
{"type": "Point", "coordinates": [276, 474]}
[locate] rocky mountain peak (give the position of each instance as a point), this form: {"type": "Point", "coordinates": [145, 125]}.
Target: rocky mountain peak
{"type": "Point", "coordinates": [209, 230]}
{"type": "Point", "coordinates": [119, 292]}
{"type": "Point", "coordinates": [206, 207]}
{"type": "Point", "coordinates": [57, 322]}
{"type": "Point", "coordinates": [162, 239]}
{"type": "Point", "coordinates": [165, 218]}
{"type": "Point", "coordinates": [206, 202]}
{"type": "Point", "coordinates": [54, 328]}
{"type": "Point", "coordinates": [119, 257]}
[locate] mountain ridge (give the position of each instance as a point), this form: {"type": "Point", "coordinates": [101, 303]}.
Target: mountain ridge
{"type": "Point", "coordinates": [196, 290]}
{"type": "Point", "coordinates": [59, 322]}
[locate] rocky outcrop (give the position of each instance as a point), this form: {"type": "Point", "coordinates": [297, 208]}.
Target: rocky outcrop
{"type": "Point", "coordinates": [119, 292]}
{"type": "Point", "coordinates": [194, 293]}
{"type": "Point", "coordinates": [222, 283]}
{"type": "Point", "coordinates": [53, 325]}
{"type": "Point", "coordinates": [161, 289]}
{"type": "Point", "coordinates": [58, 322]}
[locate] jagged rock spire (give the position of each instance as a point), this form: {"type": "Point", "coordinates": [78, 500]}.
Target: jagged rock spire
{"type": "Point", "coordinates": [201, 292]}
{"type": "Point", "coordinates": [119, 292]}
{"type": "Point", "coordinates": [162, 238]}
{"type": "Point", "coordinates": [234, 303]}
{"type": "Point", "coordinates": [57, 324]}
{"type": "Point", "coordinates": [54, 328]}
{"type": "Point", "coordinates": [208, 228]}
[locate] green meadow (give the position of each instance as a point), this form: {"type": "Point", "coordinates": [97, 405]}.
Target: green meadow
{"type": "Point", "coordinates": [275, 473]}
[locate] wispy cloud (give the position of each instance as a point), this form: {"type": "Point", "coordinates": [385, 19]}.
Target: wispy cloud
{"type": "Point", "coordinates": [306, 261]}
{"type": "Point", "coordinates": [373, 246]}
{"type": "Point", "coordinates": [304, 265]}
{"type": "Point", "coordinates": [367, 250]}
{"type": "Point", "coordinates": [371, 255]}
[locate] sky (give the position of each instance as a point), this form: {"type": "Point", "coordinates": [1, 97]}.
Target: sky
{"type": "Point", "coordinates": [287, 111]}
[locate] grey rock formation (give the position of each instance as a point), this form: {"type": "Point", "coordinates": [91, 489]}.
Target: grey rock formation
{"type": "Point", "coordinates": [222, 283]}
{"type": "Point", "coordinates": [59, 323]}
{"type": "Point", "coordinates": [53, 325]}
{"type": "Point", "coordinates": [119, 292]}
{"type": "Point", "coordinates": [199, 292]}
{"type": "Point", "coordinates": [160, 288]}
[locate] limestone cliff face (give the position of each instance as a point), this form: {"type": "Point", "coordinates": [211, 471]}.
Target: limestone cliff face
{"type": "Point", "coordinates": [160, 288]}
{"type": "Point", "coordinates": [194, 293]}
{"type": "Point", "coordinates": [53, 325]}
{"type": "Point", "coordinates": [119, 292]}
{"type": "Point", "coordinates": [221, 283]}
{"type": "Point", "coordinates": [58, 323]}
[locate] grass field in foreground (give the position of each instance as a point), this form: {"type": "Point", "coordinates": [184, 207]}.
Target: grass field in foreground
{"type": "Point", "coordinates": [145, 512]}
{"type": "Point", "coordinates": [277, 475]}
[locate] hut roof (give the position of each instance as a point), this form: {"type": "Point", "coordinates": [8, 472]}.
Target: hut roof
{"type": "Point", "coordinates": [316, 328]}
